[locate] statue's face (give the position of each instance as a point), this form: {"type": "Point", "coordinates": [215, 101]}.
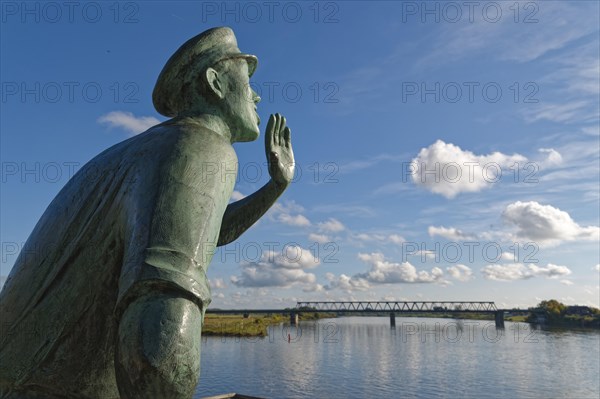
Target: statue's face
{"type": "Point", "coordinates": [240, 103]}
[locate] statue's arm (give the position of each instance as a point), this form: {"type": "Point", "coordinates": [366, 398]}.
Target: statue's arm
{"type": "Point", "coordinates": [158, 347]}
{"type": "Point", "coordinates": [242, 214]}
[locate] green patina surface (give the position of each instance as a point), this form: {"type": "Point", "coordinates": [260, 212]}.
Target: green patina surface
{"type": "Point", "coordinates": [113, 304]}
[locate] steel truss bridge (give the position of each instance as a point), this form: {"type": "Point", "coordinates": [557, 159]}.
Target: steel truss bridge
{"type": "Point", "coordinates": [391, 307]}
{"type": "Point", "coordinates": [398, 306]}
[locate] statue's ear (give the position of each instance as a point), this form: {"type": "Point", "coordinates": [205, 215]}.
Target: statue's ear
{"type": "Point", "coordinates": [214, 82]}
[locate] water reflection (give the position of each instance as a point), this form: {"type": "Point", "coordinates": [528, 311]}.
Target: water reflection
{"type": "Point", "coordinates": [362, 357]}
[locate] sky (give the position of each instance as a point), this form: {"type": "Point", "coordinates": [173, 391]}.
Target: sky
{"type": "Point", "coordinates": [445, 151]}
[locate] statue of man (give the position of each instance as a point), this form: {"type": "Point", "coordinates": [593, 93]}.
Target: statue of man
{"type": "Point", "coordinates": [107, 297]}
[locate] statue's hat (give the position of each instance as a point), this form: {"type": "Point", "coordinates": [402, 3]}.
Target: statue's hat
{"type": "Point", "coordinates": [195, 55]}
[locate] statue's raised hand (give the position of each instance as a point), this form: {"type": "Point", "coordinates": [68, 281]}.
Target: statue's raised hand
{"type": "Point", "coordinates": [278, 146]}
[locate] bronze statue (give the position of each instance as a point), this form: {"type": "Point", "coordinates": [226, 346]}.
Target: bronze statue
{"type": "Point", "coordinates": [108, 295]}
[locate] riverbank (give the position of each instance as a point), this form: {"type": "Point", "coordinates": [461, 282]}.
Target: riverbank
{"type": "Point", "coordinates": [258, 325]}
{"type": "Point", "coordinates": [251, 326]}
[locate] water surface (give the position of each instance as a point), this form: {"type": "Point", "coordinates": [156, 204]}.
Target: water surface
{"type": "Point", "coordinates": [362, 357]}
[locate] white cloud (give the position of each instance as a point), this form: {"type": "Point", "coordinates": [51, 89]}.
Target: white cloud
{"type": "Point", "coordinates": [424, 254]}
{"type": "Point", "coordinates": [294, 220]}
{"type": "Point", "coordinates": [313, 288]}
{"type": "Point", "coordinates": [557, 112]}
{"type": "Point", "coordinates": [545, 224]}
{"type": "Point", "coordinates": [217, 283]}
{"type": "Point", "coordinates": [291, 257]}
{"type": "Point", "coordinates": [352, 210]}
{"type": "Point", "coordinates": [572, 85]}
{"type": "Point", "coordinates": [566, 282]}
{"type": "Point", "coordinates": [396, 239]}
{"type": "Point", "coordinates": [260, 275]}
{"type": "Point", "coordinates": [370, 237]}
{"type": "Point", "coordinates": [519, 271]}
{"type": "Point", "coordinates": [236, 196]}
{"type": "Point", "coordinates": [288, 212]}
{"type": "Point", "coordinates": [597, 267]}
{"type": "Point", "coordinates": [129, 122]}
{"type": "Point", "coordinates": [279, 269]}
{"type": "Point", "coordinates": [449, 233]}
{"type": "Point", "coordinates": [319, 238]}
{"type": "Point", "coordinates": [384, 272]}
{"type": "Point", "coordinates": [558, 24]}
{"type": "Point", "coordinates": [550, 271]}
{"type": "Point", "coordinates": [460, 272]}
{"type": "Point", "coordinates": [346, 283]}
{"type": "Point", "coordinates": [286, 207]}
{"type": "Point", "coordinates": [331, 226]}
{"type": "Point", "coordinates": [446, 169]}
{"type": "Point", "coordinates": [553, 158]}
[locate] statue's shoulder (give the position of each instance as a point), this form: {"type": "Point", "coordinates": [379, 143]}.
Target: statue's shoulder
{"type": "Point", "coordinates": [193, 138]}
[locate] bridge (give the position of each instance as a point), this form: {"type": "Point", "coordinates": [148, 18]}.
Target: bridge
{"type": "Point", "coordinates": [393, 307]}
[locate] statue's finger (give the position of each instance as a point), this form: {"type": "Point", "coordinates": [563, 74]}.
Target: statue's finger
{"type": "Point", "coordinates": [287, 136]}
{"type": "Point", "coordinates": [269, 133]}
{"type": "Point", "coordinates": [283, 122]}
{"type": "Point", "coordinates": [276, 129]}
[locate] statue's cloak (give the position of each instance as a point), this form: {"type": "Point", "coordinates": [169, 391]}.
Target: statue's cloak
{"type": "Point", "coordinates": [142, 216]}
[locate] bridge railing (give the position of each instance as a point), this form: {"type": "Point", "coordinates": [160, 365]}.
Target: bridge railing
{"type": "Point", "coordinates": [398, 306]}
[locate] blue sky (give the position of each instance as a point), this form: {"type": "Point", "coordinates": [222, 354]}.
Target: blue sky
{"type": "Point", "coordinates": [444, 151]}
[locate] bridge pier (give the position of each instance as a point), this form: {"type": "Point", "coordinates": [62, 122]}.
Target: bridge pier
{"type": "Point", "coordinates": [294, 319]}
{"type": "Point", "coordinates": [393, 319]}
{"type": "Point", "coordinates": [499, 317]}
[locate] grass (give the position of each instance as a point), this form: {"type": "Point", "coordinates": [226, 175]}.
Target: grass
{"type": "Point", "coordinates": [518, 319]}
{"type": "Point", "coordinates": [252, 326]}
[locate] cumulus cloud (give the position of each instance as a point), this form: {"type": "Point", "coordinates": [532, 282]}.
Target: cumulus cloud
{"type": "Point", "coordinates": [346, 283]}
{"type": "Point", "coordinates": [319, 238]}
{"type": "Point", "coordinates": [313, 288]}
{"type": "Point", "coordinates": [290, 213]}
{"type": "Point", "coordinates": [279, 269]}
{"type": "Point", "coordinates": [129, 122]}
{"type": "Point", "coordinates": [396, 239]}
{"type": "Point", "coordinates": [545, 224]}
{"type": "Point", "coordinates": [460, 272]}
{"type": "Point", "coordinates": [293, 220]}
{"type": "Point", "coordinates": [597, 267]}
{"type": "Point", "coordinates": [217, 283]}
{"type": "Point", "coordinates": [450, 233]}
{"type": "Point", "coordinates": [446, 169]}
{"type": "Point", "coordinates": [385, 272]}
{"type": "Point", "coordinates": [519, 271]}
{"type": "Point", "coordinates": [291, 257]}
{"type": "Point", "coordinates": [331, 226]}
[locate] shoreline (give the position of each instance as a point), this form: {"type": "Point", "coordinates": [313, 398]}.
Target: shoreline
{"type": "Point", "coordinates": [236, 325]}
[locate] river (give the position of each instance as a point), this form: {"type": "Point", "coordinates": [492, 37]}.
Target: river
{"type": "Point", "coordinates": [362, 357]}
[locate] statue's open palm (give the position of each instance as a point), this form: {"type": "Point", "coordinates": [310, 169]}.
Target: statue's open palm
{"type": "Point", "coordinates": [278, 146]}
